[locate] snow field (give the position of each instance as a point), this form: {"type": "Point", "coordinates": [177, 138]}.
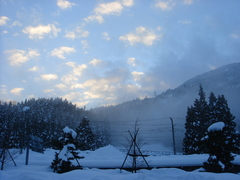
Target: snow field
{"type": "Point", "coordinates": [39, 167]}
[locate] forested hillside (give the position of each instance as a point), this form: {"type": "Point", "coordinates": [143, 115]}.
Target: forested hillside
{"type": "Point", "coordinates": [42, 117]}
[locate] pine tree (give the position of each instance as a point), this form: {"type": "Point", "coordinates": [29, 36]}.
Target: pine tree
{"type": "Point", "coordinates": [201, 115]}
{"type": "Point", "coordinates": [190, 129]}
{"type": "Point", "coordinates": [86, 139]}
{"type": "Point", "coordinates": [63, 161]}
{"type": "Point", "coordinates": [196, 119]}
{"type": "Point", "coordinates": [212, 106]}
{"type": "Point", "coordinates": [224, 115]}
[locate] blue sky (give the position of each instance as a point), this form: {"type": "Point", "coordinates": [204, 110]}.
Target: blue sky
{"type": "Point", "coordinates": [104, 52]}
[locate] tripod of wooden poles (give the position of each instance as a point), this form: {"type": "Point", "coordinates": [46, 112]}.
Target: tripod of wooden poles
{"type": "Point", "coordinates": [134, 152]}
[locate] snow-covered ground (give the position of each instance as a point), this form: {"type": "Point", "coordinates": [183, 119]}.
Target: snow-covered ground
{"type": "Point", "coordinates": [39, 167]}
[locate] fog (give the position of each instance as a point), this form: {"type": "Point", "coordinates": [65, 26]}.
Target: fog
{"type": "Point", "coordinates": [153, 114]}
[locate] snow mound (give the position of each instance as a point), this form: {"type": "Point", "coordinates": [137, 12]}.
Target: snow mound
{"type": "Point", "coordinates": [218, 126]}
{"type": "Point", "coordinates": [107, 151]}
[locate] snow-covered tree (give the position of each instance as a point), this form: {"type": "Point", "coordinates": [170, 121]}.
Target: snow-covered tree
{"type": "Point", "coordinates": [63, 161]}
{"type": "Point", "coordinates": [219, 146]}
{"type": "Point", "coordinates": [10, 128]}
{"type": "Point", "coordinates": [201, 115]}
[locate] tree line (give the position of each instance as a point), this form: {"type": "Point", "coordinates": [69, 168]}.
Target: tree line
{"type": "Point", "coordinates": [46, 118]}
{"type": "Point", "coordinates": [220, 142]}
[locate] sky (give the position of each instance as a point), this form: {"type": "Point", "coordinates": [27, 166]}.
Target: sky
{"type": "Point", "coordinates": [105, 52]}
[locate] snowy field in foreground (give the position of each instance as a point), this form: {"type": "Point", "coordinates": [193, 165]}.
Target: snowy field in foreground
{"type": "Point", "coordinates": [38, 168]}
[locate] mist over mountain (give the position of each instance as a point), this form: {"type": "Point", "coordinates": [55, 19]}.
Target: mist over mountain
{"type": "Point", "coordinates": [153, 114]}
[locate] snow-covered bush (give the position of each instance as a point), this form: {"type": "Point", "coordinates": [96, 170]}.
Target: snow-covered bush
{"type": "Point", "coordinates": [219, 146]}
{"type": "Point", "coordinates": [63, 161]}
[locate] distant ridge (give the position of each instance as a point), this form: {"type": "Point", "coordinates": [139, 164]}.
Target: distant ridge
{"type": "Point", "coordinates": [218, 78]}
{"type": "Point", "coordinates": [223, 80]}
{"type": "Point", "coordinates": [153, 113]}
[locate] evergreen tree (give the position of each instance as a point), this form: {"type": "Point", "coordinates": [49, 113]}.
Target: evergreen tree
{"type": "Point", "coordinates": [190, 131]}
{"type": "Point", "coordinates": [224, 115]}
{"type": "Point", "coordinates": [219, 146]}
{"type": "Point", "coordinates": [86, 139]}
{"type": "Point", "coordinates": [201, 115]}
{"type": "Point", "coordinates": [63, 161]}
{"type": "Point", "coordinates": [212, 106]}
{"type": "Point", "coordinates": [196, 119]}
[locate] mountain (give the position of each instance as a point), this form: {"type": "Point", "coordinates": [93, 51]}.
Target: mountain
{"type": "Point", "coordinates": [153, 114]}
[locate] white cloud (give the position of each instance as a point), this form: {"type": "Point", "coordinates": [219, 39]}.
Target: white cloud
{"type": "Point", "coordinates": [72, 96]}
{"type": "Point", "coordinates": [95, 62]}
{"type": "Point", "coordinates": [235, 35]}
{"type": "Point", "coordinates": [16, 23]}
{"type": "Point", "coordinates": [165, 5]}
{"type": "Point", "coordinates": [3, 20]}
{"type": "Point", "coordinates": [89, 83]}
{"type": "Point", "coordinates": [77, 69]}
{"type": "Point", "coordinates": [185, 21]}
{"type": "Point", "coordinates": [76, 86]}
{"type": "Point", "coordinates": [40, 31]}
{"type": "Point", "coordinates": [32, 53]}
{"type": "Point", "coordinates": [111, 8]}
{"type": "Point", "coordinates": [137, 75]}
{"type": "Point", "coordinates": [17, 57]}
{"type": "Point", "coordinates": [132, 61]}
{"type": "Point", "coordinates": [34, 69]}
{"type": "Point", "coordinates": [81, 32]}
{"type": "Point", "coordinates": [98, 88]}
{"type": "Point", "coordinates": [3, 90]}
{"type": "Point", "coordinates": [78, 32]}
{"type": "Point", "coordinates": [15, 34]}
{"type": "Point", "coordinates": [98, 18]}
{"type": "Point", "coordinates": [60, 52]}
{"type": "Point", "coordinates": [187, 1]}
{"type": "Point", "coordinates": [127, 2]}
{"type": "Point", "coordinates": [16, 91]}
{"type": "Point", "coordinates": [159, 28]}
{"type": "Point", "coordinates": [61, 86]}
{"type": "Point", "coordinates": [97, 85]}
{"type": "Point", "coordinates": [81, 103]}
{"type": "Point", "coordinates": [141, 35]}
{"type": "Point", "coordinates": [48, 90]}
{"type": "Point", "coordinates": [106, 36]}
{"type": "Point", "coordinates": [49, 77]}
{"type": "Point", "coordinates": [89, 95]}
{"type": "Point", "coordinates": [114, 8]}
{"type": "Point", "coordinates": [69, 79]}
{"type": "Point", "coordinates": [70, 35]}
{"type": "Point", "coordinates": [85, 44]}
{"type": "Point", "coordinates": [64, 4]}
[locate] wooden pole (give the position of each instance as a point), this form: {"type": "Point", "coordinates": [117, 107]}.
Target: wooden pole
{"type": "Point", "coordinates": [127, 153]}
{"type": "Point", "coordinates": [27, 151]}
{"type": "Point", "coordinates": [173, 136]}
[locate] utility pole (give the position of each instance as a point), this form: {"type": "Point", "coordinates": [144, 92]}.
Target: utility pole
{"type": "Point", "coordinates": [173, 136]}
{"type": "Point", "coordinates": [25, 109]}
